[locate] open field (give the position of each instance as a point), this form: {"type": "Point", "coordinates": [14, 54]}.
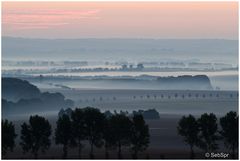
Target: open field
{"type": "Point", "coordinates": [164, 140]}
{"type": "Point", "coordinates": [164, 101]}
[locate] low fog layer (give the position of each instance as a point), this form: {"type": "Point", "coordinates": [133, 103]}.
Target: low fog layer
{"type": "Point", "coordinates": [21, 97]}
{"type": "Point", "coordinates": [214, 50]}
{"type": "Point", "coordinates": [185, 82]}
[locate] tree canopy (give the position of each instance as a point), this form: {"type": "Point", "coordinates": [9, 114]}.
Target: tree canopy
{"type": "Point", "coordinates": [140, 135]}
{"type": "Point", "coordinates": [35, 135]}
{"type": "Point", "coordinates": [121, 130]}
{"type": "Point", "coordinates": [189, 129]}
{"type": "Point", "coordinates": [229, 132]}
{"type": "Point", "coordinates": [8, 136]}
{"type": "Point", "coordinates": [209, 129]}
{"type": "Point", "coordinates": [94, 124]}
{"type": "Point", "coordinates": [63, 133]}
{"type": "Point", "coordinates": [79, 131]}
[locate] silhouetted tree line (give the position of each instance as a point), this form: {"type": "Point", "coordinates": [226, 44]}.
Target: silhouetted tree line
{"type": "Point", "coordinates": [8, 136]}
{"type": "Point", "coordinates": [117, 131]}
{"type": "Point", "coordinates": [204, 133]}
{"type": "Point", "coordinates": [147, 114]}
{"type": "Point", "coordinates": [86, 124]}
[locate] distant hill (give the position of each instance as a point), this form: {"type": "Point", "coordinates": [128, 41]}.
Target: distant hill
{"type": "Point", "coordinates": [183, 82]}
{"type": "Point", "coordinates": [19, 96]}
{"type": "Point", "coordinates": [199, 82]}
{"type": "Point", "coordinates": [120, 49]}
{"type": "Point", "coordinates": [14, 89]}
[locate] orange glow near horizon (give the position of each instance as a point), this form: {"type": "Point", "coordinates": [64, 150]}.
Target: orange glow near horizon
{"type": "Point", "coordinates": [120, 19]}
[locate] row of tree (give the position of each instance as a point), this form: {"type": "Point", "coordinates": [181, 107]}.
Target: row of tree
{"type": "Point", "coordinates": [189, 95]}
{"type": "Point", "coordinates": [204, 133]}
{"type": "Point", "coordinates": [87, 124]}
{"type": "Point", "coordinates": [176, 95]}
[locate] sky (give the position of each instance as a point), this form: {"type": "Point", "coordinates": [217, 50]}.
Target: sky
{"type": "Point", "coordinates": [158, 20]}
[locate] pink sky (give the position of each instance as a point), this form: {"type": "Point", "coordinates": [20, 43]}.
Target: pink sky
{"type": "Point", "coordinates": [120, 19]}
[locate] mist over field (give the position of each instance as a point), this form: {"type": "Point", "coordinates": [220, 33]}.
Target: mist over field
{"type": "Point", "coordinates": [161, 79]}
{"type": "Point", "coordinates": [212, 50]}
{"type": "Point", "coordinates": [122, 64]}
{"type": "Point", "coordinates": [120, 80]}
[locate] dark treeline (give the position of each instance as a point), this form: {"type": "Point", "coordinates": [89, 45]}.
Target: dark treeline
{"type": "Point", "coordinates": [117, 131]}
{"type": "Point", "coordinates": [147, 114]}
{"type": "Point", "coordinates": [86, 124]}
{"type": "Point", "coordinates": [205, 134]}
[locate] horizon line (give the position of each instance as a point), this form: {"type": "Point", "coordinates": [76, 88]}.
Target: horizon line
{"type": "Point", "coordinates": [139, 38]}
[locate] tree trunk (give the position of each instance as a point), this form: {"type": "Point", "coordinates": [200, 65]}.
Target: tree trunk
{"type": "Point", "coordinates": [119, 151]}
{"type": "Point", "coordinates": [79, 149]}
{"type": "Point", "coordinates": [35, 155]}
{"type": "Point", "coordinates": [65, 151]}
{"type": "Point", "coordinates": [233, 152]}
{"type": "Point", "coordinates": [106, 153]}
{"type": "Point", "coordinates": [135, 154]}
{"type": "Point", "coordinates": [91, 152]}
{"type": "Point", "coordinates": [192, 152]}
{"type": "Point", "coordinates": [4, 153]}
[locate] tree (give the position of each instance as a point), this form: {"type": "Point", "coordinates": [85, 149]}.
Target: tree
{"type": "Point", "coordinates": [229, 132]}
{"type": "Point", "coordinates": [78, 128]}
{"type": "Point", "coordinates": [94, 124]}
{"type": "Point", "coordinates": [189, 129]}
{"type": "Point", "coordinates": [196, 95]}
{"type": "Point", "coordinates": [8, 137]}
{"type": "Point", "coordinates": [203, 95]}
{"type": "Point", "coordinates": [122, 131]}
{"type": "Point", "coordinates": [208, 132]}
{"type": "Point", "coordinates": [175, 95]}
{"type": "Point", "coordinates": [64, 134]}
{"type": "Point", "coordinates": [108, 136]}
{"type": "Point", "coordinates": [35, 135]}
{"type": "Point", "coordinates": [189, 95]}
{"type": "Point", "coordinates": [155, 96]}
{"type": "Point", "coordinates": [140, 135]}
{"type": "Point", "coordinates": [140, 66]}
